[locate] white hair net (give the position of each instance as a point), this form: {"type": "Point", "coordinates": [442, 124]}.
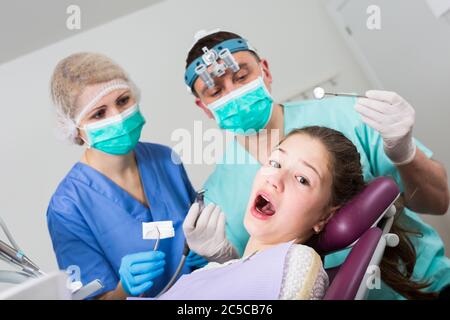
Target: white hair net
{"type": "Point", "coordinates": [70, 79]}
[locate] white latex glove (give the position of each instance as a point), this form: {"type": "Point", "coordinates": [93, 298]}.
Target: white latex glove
{"type": "Point", "coordinates": [207, 236]}
{"type": "Point", "coordinates": [393, 117]}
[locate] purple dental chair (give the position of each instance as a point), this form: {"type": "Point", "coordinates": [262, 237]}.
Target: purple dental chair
{"type": "Point", "coordinates": [362, 224]}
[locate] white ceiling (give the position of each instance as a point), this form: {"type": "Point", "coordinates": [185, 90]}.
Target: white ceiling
{"type": "Point", "coordinates": [27, 25]}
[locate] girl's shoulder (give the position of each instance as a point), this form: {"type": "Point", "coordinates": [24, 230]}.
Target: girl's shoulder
{"type": "Point", "coordinates": [304, 276]}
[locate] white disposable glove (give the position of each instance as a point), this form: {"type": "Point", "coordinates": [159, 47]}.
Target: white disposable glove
{"type": "Point", "coordinates": [393, 117]}
{"type": "Point", "coordinates": [206, 236]}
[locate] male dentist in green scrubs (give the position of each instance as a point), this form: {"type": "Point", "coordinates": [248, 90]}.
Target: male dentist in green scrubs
{"type": "Point", "coordinates": [380, 126]}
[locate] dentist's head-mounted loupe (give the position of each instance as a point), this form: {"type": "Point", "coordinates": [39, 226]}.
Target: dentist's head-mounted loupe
{"type": "Point", "coordinates": [214, 61]}
{"type": "Point", "coordinates": [210, 58]}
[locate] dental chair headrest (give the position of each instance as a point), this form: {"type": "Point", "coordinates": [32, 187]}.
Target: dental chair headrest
{"type": "Point", "coordinates": [358, 215]}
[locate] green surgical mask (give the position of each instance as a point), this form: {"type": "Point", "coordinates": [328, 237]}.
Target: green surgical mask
{"type": "Point", "coordinates": [117, 135]}
{"type": "Point", "coordinates": [246, 110]}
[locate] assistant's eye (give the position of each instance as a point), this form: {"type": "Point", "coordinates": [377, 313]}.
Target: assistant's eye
{"type": "Point", "coordinates": [123, 101]}
{"type": "Point", "coordinates": [100, 114]}
{"type": "Point", "coordinates": [274, 164]}
{"type": "Point", "coordinates": [302, 180]}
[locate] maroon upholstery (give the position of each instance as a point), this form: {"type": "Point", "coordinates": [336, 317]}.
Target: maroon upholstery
{"type": "Point", "coordinates": [358, 215]}
{"type": "Point", "coordinates": [351, 223]}
{"type": "Point", "coordinates": [348, 279]}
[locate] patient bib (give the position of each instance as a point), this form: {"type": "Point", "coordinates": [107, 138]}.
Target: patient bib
{"type": "Point", "coordinates": [257, 277]}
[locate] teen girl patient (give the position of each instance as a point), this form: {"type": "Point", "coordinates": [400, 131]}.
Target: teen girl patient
{"type": "Point", "coordinates": [311, 174]}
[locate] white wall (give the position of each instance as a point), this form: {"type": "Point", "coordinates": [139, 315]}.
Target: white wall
{"type": "Point", "coordinates": [297, 37]}
{"type": "Point", "coordinates": [410, 58]}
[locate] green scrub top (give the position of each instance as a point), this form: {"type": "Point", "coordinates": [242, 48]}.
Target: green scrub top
{"type": "Point", "coordinates": [230, 184]}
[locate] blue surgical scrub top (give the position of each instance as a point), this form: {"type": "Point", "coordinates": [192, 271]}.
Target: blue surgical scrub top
{"type": "Point", "coordinates": [230, 185]}
{"type": "Point", "coordinates": [93, 222]}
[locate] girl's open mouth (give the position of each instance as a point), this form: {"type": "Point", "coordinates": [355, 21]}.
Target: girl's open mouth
{"type": "Point", "coordinates": [263, 205]}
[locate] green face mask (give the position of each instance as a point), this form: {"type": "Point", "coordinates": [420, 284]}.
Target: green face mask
{"type": "Point", "coordinates": [245, 110]}
{"type": "Point", "coordinates": [116, 135]}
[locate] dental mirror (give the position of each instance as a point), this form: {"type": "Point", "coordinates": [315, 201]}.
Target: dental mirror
{"type": "Point", "coordinates": [319, 93]}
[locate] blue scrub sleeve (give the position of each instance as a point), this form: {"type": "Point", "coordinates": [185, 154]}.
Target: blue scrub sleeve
{"type": "Point", "coordinates": [75, 246]}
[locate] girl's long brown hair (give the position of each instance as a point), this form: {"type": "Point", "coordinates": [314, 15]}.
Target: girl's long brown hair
{"type": "Point", "coordinates": [398, 262]}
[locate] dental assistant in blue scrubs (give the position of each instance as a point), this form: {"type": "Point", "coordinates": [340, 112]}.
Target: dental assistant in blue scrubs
{"type": "Point", "coordinates": [380, 126]}
{"type": "Point", "coordinates": [95, 215]}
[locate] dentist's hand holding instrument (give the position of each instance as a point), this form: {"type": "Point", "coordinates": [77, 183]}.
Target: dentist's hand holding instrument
{"type": "Point", "coordinates": [389, 114]}
{"type": "Point", "coordinates": [205, 233]}
{"type": "Point", "coordinates": [393, 117]}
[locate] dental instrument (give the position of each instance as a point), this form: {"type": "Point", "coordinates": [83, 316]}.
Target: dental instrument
{"type": "Point", "coordinates": [155, 247]}
{"type": "Point", "coordinates": [319, 93]}
{"type": "Point", "coordinates": [200, 200]}
{"type": "Point", "coordinates": [12, 254]}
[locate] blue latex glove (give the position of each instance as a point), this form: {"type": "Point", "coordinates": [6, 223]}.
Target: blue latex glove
{"type": "Point", "coordinates": [137, 271]}
{"type": "Point", "coordinates": [195, 261]}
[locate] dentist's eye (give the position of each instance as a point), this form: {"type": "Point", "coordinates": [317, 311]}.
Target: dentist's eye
{"type": "Point", "coordinates": [216, 92]}
{"type": "Point", "coordinates": [274, 164]}
{"type": "Point", "coordinates": [240, 77]}
{"type": "Point", "coordinates": [302, 180]}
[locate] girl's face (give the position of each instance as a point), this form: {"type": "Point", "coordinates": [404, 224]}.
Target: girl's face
{"type": "Point", "coordinates": [291, 193]}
